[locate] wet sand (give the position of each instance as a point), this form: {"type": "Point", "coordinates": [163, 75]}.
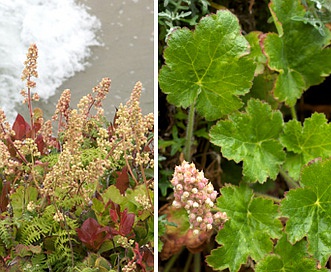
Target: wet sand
{"type": "Point", "coordinates": [126, 57]}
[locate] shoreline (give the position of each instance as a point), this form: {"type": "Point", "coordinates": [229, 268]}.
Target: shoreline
{"type": "Point", "coordinates": [125, 57]}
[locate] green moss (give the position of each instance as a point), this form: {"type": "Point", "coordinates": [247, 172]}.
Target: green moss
{"type": "Point", "coordinates": [51, 159]}
{"type": "Point", "coordinates": [89, 155]}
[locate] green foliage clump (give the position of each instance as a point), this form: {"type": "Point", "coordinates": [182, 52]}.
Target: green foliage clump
{"type": "Point", "coordinates": [249, 88]}
{"type": "Point", "coordinates": [50, 185]}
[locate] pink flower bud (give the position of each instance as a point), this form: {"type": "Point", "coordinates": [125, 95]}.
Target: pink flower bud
{"type": "Point", "coordinates": [196, 232]}
{"type": "Point", "coordinates": [179, 187]}
{"type": "Point", "coordinates": [195, 205]}
{"type": "Point", "coordinates": [176, 204]}
{"type": "Point", "coordinates": [192, 216]}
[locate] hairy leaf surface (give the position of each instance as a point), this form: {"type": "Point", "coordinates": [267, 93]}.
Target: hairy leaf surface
{"type": "Point", "coordinates": [307, 142]}
{"type": "Point", "coordinates": [207, 67]}
{"type": "Point", "coordinates": [256, 53]}
{"type": "Point", "coordinates": [309, 210]}
{"type": "Point", "coordinates": [297, 53]}
{"type": "Point", "coordinates": [252, 223]}
{"type": "Point", "coordinates": [288, 258]}
{"type": "Point", "coordinates": [252, 137]}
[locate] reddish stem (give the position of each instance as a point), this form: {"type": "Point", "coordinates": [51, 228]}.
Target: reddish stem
{"type": "Point", "coordinates": [30, 111]}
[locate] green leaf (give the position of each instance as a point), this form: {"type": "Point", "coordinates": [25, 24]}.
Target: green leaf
{"type": "Point", "coordinates": [176, 143]}
{"type": "Point", "coordinates": [288, 258]}
{"type": "Point", "coordinates": [252, 137]}
{"type": "Point", "coordinates": [207, 67]}
{"type": "Point", "coordinates": [98, 205]}
{"type": "Point", "coordinates": [306, 142]}
{"type": "Point", "coordinates": [298, 53]}
{"type": "Point", "coordinates": [309, 210]}
{"type": "Point", "coordinates": [262, 89]}
{"type": "Point", "coordinates": [162, 223]}
{"type": "Point", "coordinates": [113, 194]}
{"type": "Point", "coordinates": [256, 52]}
{"type": "Point", "coordinates": [133, 205]}
{"type": "Point", "coordinates": [21, 198]}
{"type": "Point", "coordinates": [252, 223]}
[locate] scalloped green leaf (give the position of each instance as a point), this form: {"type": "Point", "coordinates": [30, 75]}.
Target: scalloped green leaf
{"type": "Point", "coordinates": [248, 232]}
{"type": "Point", "coordinates": [298, 53]}
{"type": "Point", "coordinates": [288, 258]}
{"type": "Point", "coordinates": [252, 137]}
{"type": "Point", "coordinates": [256, 52]}
{"type": "Point", "coordinates": [306, 142]}
{"type": "Point", "coordinates": [207, 67]}
{"type": "Point", "coordinates": [308, 210]}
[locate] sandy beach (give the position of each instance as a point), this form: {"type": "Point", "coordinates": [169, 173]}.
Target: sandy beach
{"type": "Point", "coordinates": [126, 55]}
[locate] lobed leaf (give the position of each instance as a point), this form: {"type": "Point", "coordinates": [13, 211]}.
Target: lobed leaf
{"type": "Point", "coordinates": [207, 67]}
{"type": "Point", "coordinates": [256, 52]}
{"type": "Point", "coordinates": [288, 258]}
{"type": "Point", "coordinates": [297, 53]}
{"type": "Point", "coordinates": [306, 142]}
{"type": "Point", "coordinates": [252, 137]}
{"type": "Point", "coordinates": [309, 210]}
{"type": "Point", "coordinates": [252, 223]}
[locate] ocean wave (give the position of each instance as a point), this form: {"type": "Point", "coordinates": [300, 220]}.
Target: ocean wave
{"type": "Point", "coordinates": [64, 32]}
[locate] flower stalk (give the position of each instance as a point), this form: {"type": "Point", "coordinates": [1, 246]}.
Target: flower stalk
{"type": "Point", "coordinates": [189, 133]}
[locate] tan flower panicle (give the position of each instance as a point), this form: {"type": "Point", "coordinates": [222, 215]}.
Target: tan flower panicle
{"type": "Point", "coordinates": [29, 71]}
{"type": "Point", "coordinates": [63, 105]}
{"type": "Point", "coordinates": [102, 90]}
{"type": "Point", "coordinates": [133, 129]}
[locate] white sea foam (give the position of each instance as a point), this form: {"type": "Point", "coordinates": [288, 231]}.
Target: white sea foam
{"type": "Point", "coordinates": [63, 30]}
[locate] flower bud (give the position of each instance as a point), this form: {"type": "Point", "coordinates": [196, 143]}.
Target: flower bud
{"type": "Point", "coordinates": [195, 205]}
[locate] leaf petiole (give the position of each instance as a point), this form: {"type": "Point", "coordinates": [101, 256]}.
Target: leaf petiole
{"type": "Point", "coordinates": [289, 181]}
{"type": "Point", "coordinates": [189, 133]}
{"type": "Point", "coordinates": [171, 262]}
{"type": "Point", "coordinates": [294, 113]}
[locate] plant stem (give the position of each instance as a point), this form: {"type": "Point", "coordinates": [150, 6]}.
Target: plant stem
{"type": "Point", "coordinates": [129, 168]}
{"type": "Point", "coordinates": [171, 262]}
{"type": "Point", "coordinates": [188, 262]}
{"type": "Point", "coordinates": [289, 181]}
{"type": "Point", "coordinates": [8, 138]}
{"type": "Point", "coordinates": [189, 134]}
{"type": "Point", "coordinates": [31, 111]}
{"type": "Point", "coordinates": [197, 263]}
{"type": "Point", "coordinates": [294, 113]}
{"type": "Point", "coordinates": [146, 185]}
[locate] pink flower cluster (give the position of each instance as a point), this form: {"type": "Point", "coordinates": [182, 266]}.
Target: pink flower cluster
{"type": "Point", "coordinates": [193, 192]}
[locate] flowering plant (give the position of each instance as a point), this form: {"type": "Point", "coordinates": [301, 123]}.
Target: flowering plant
{"type": "Point", "coordinates": [244, 95]}
{"type": "Point", "coordinates": [82, 198]}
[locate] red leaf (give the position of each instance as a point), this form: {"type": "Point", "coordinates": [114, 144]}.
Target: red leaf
{"type": "Point", "coordinates": [21, 127]}
{"type": "Point", "coordinates": [40, 143]}
{"type": "Point", "coordinates": [92, 234]}
{"type": "Point", "coordinates": [148, 256]}
{"type": "Point", "coordinates": [139, 256]}
{"type": "Point", "coordinates": [114, 211]}
{"type": "Point", "coordinates": [122, 181]}
{"type": "Point", "coordinates": [4, 198]}
{"type": "Point", "coordinates": [126, 222]}
{"type": "Point", "coordinates": [113, 215]}
{"type": "Point", "coordinates": [123, 220]}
